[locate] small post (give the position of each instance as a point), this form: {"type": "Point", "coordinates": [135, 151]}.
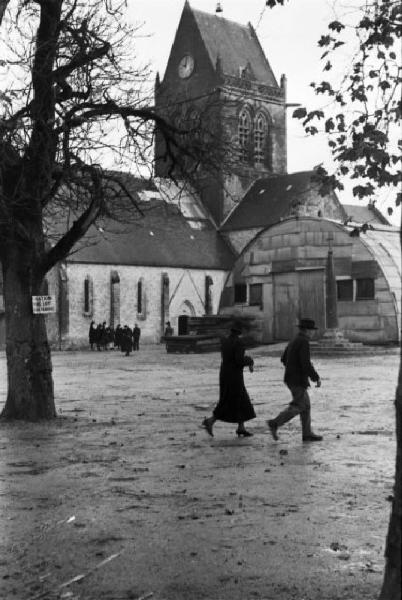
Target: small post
{"type": "Point", "coordinates": [331, 292]}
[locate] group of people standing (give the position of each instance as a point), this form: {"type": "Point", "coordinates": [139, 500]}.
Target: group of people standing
{"type": "Point", "coordinates": [108, 338]}
{"type": "Point", "coordinates": [234, 405]}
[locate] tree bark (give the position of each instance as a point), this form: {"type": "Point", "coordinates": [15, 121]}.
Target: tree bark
{"type": "Point", "coordinates": [391, 588]}
{"type": "Point", "coordinates": [30, 384]}
{"type": "Point", "coordinates": [3, 6]}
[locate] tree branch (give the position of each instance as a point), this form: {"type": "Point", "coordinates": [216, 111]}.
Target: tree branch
{"type": "Point", "coordinates": [79, 227]}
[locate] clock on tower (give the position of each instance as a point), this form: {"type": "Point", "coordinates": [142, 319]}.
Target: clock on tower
{"type": "Point", "coordinates": [186, 66]}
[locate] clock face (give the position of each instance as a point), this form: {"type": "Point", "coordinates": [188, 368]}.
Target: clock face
{"type": "Point", "coordinates": [186, 66]}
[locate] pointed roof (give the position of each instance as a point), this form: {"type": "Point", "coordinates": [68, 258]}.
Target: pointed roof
{"type": "Point", "coordinates": [271, 199]}
{"type": "Point", "coordinates": [161, 237]}
{"type": "Point", "coordinates": [235, 46]}
{"type": "Point", "coordinates": [165, 228]}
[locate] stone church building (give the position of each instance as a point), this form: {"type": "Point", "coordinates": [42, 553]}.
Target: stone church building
{"type": "Point", "coordinates": [191, 247]}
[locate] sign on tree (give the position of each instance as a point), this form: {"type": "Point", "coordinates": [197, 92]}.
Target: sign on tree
{"type": "Point", "coordinates": [43, 304]}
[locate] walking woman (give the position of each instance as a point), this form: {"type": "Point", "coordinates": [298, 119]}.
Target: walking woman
{"type": "Point", "coordinates": [234, 404]}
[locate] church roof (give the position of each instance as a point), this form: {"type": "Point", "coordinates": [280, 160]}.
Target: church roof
{"type": "Point", "coordinates": [270, 199]}
{"type": "Point", "coordinates": [364, 214]}
{"type": "Point", "coordinates": [159, 237]}
{"type": "Point", "coordinates": [236, 46]}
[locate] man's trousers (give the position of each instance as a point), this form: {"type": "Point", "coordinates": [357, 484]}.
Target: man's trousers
{"type": "Point", "coordinates": [300, 405]}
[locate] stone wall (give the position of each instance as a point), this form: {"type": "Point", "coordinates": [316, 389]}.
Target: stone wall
{"type": "Point", "coordinates": [186, 296]}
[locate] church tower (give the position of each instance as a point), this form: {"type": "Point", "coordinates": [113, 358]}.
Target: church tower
{"type": "Point", "coordinates": [216, 60]}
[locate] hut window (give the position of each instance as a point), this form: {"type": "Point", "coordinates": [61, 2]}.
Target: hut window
{"type": "Point", "coordinates": [240, 293]}
{"type": "Point", "coordinates": [345, 289]}
{"type": "Point", "coordinates": [364, 289]}
{"type": "Point", "coordinates": [255, 296]}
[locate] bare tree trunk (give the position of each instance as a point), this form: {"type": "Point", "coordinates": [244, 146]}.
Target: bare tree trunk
{"type": "Point", "coordinates": [30, 383]}
{"type": "Point", "coordinates": [3, 6]}
{"type": "Point", "coordinates": [391, 588]}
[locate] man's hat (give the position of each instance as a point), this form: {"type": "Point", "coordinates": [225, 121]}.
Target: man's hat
{"type": "Point", "coordinates": [307, 324]}
{"type": "Point", "coordinates": [236, 326]}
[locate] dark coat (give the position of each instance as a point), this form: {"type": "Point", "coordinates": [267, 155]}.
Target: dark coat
{"type": "Point", "coordinates": [298, 367]}
{"type": "Point", "coordinates": [126, 343]}
{"type": "Point", "coordinates": [234, 404]}
{"type": "Point", "coordinates": [92, 333]}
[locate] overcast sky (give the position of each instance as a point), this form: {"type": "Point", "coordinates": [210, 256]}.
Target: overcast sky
{"type": "Point", "coordinates": [289, 38]}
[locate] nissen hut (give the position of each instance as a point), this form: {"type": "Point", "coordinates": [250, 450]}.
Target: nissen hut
{"type": "Point", "coordinates": [281, 275]}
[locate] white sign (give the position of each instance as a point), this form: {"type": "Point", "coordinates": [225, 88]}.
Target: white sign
{"type": "Point", "coordinates": [43, 304]}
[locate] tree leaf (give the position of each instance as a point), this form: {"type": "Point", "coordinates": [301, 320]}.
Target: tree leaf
{"type": "Point", "coordinates": [336, 26]}
{"type": "Point", "coordinates": [299, 113]}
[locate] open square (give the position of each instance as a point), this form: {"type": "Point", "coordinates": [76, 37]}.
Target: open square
{"type": "Point", "coordinates": [126, 496]}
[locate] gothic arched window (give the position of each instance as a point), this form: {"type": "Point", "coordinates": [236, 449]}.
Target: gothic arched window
{"type": "Point", "coordinates": [114, 299]}
{"type": "Point", "coordinates": [140, 296]}
{"type": "Point", "coordinates": [260, 138]}
{"type": "Point", "coordinates": [244, 133]}
{"type": "Point", "coordinates": [88, 295]}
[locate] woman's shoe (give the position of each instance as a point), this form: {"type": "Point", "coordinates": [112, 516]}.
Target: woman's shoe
{"type": "Point", "coordinates": [208, 426]}
{"type": "Point", "coordinates": [243, 432]}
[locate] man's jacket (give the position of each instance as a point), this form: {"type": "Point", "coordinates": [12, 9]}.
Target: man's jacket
{"type": "Point", "coordinates": [298, 367]}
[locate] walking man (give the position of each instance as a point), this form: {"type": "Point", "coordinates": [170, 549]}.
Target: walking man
{"type": "Point", "coordinates": [298, 371]}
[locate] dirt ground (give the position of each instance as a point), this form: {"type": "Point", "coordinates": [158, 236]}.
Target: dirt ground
{"type": "Point", "coordinates": [125, 496]}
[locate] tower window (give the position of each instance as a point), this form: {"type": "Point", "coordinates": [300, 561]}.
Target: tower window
{"type": "Point", "coordinates": [244, 133]}
{"type": "Point", "coordinates": [260, 136]}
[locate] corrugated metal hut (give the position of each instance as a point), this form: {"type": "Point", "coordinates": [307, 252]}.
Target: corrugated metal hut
{"type": "Point", "coordinates": [281, 276]}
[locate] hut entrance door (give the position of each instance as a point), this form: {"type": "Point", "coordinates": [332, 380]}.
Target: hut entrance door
{"type": "Point", "coordinates": [285, 305]}
{"type": "Point", "coordinates": [312, 297]}
{"type": "Point", "coordinates": [183, 325]}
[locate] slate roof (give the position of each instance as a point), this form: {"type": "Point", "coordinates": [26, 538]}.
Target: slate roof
{"type": "Point", "coordinates": [269, 200]}
{"type": "Point", "coordinates": [162, 237]}
{"type": "Point", "coordinates": [235, 45]}
{"type": "Point", "coordinates": [364, 214]}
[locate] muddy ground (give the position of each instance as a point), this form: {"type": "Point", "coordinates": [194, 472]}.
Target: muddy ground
{"type": "Point", "coordinates": [124, 496]}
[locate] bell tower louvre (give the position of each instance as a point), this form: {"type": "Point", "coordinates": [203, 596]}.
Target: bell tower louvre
{"type": "Point", "coordinates": [218, 76]}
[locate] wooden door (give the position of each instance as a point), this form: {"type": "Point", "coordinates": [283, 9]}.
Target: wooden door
{"type": "Point", "coordinates": [312, 297]}
{"type": "Point", "coordinates": [285, 305]}
{"type": "Point", "coordinates": [183, 325]}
